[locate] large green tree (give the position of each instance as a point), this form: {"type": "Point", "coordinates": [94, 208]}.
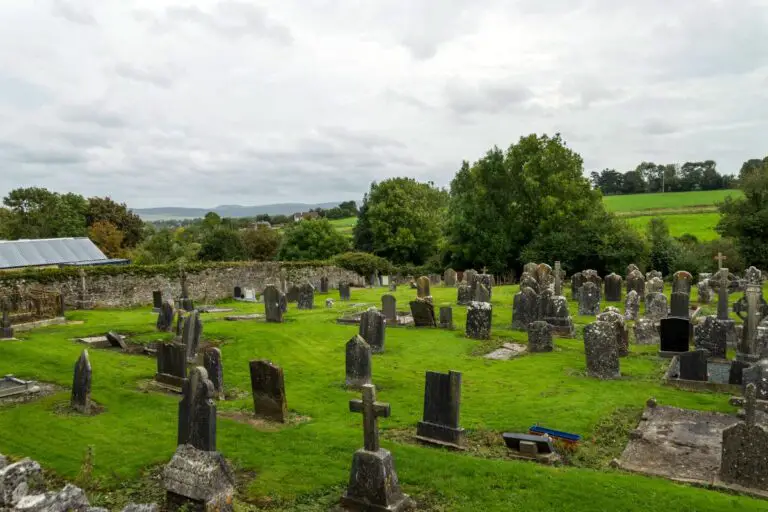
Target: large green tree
{"type": "Point", "coordinates": [104, 209]}
{"type": "Point", "coordinates": [222, 245]}
{"type": "Point", "coordinates": [39, 213]}
{"type": "Point", "coordinates": [261, 243]}
{"type": "Point", "coordinates": [401, 220]}
{"type": "Point", "coordinates": [312, 240]}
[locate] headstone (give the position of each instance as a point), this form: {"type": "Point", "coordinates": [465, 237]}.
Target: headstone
{"type": "Point", "coordinates": [434, 279]}
{"type": "Point", "coordinates": [283, 302]}
{"type": "Point", "coordinates": [745, 449]}
{"type": "Point", "coordinates": [632, 306]}
{"type": "Point", "coordinates": [384, 280]}
{"type": "Point", "coordinates": [6, 330]}
{"type": "Point", "coordinates": [197, 412]}
{"type": "Point", "coordinates": [423, 313]}
{"type": "Point", "coordinates": [446, 317]}
{"type": "Point", "coordinates": [527, 280]}
{"type": "Point", "coordinates": [249, 295]}
{"type": "Point", "coordinates": [171, 365]}
{"type": "Point", "coordinates": [544, 276]}
{"type": "Point", "coordinates": [613, 283]}
{"type": "Point", "coordinates": [636, 282]}
{"type": "Point", "coordinates": [306, 299]}
{"type": "Point", "coordinates": [214, 369]}
{"type": "Point", "coordinates": [197, 480]}
{"type": "Point", "coordinates": [621, 335]}
{"type": "Point", "coordinates": [481, 293]}
{"type": "Point", "coordinates": [656, 306]}
{"type": "Point", "coordinates": [600, 350]}
{"type": "Point", "coordinates": [554, 310]}
{"type": "Point", "coordinates": [165, 317]}
{"type": "Point", "coordinates": [116, 341]}
{"type": "Point", "coordinates": [389, 308]}
{"type": "Point", "coordinates": [577, 281]}
{"type": "Point", "coordinates": [449, 277]}
{"type": "Point", "coordinates": [653, 274]}
{"type": "Point", "coordinates": [756, 374]}
{"type": "Point", "coordinates": [710, 335]}
{"type": "Point", "coordinates": [681, 282]}
{"type": "Point", "coordinates": [393, 286]}
{"type": "Point", "coordinates": [442, 400]}
{"type": "Point", "coordinates": [530, 267]}
{"type": "Point", "coordinates": [654, 285]}
{"type": "Point", "coordinates": [344, 291]}
{"type": "Point", "coordinates": [358, 363]}
{"type": "Point", "coordinates": [293, 294]}
{"type": "Point", "coordinates": [373, 483]}
{"type": "Point", "coordinates": [323, 284]}
{"type": "Point", "coordinates": [589, 299]}
{"type": "Point", "coordinates": [272, 309]}
{"type": "Point", "coordinates": [723, 309]}
{"type": "Point", "coordinates": [753, 275]}
{"type": "Point", "coordinates": [736, 374]}
{"type": "Point", "coordinates": [679, 305]}
{"type": "Point", "coordinates": [237, 293]}
{"type": "Point", "coordinates": [190, 335]}
{"type": "Point", "coordinates": [157, 300]}
{"type": "Point", "coordinates": [81, 385]}
{"type": "Point", "coordinates": [675, 334]}
{"type": "Point", "coordinates": [647, 332]}
{"type": "Point", "coordinates": [693, 365]}
{"type": "Point", "coordinates": [469, 277]}
{"type": "Point", "coordinates": [524, 308]}
{"type": "Point", "coordinates": [486, 280]}
{"type": "Point", "coordinates": [558, 275]}
{"type": "Point", "coordinates": [268, 388]}
{"type": "Point", "coordinates": [373, 329]}
{"type": "Point", "coordinates": [373, 280]}
{"type": "Point", "coordinates": [464, 295]}
{"type": "Point", "coordinates": [422, 287]}
{"type": "Point", "coordinates": [705, 292]}
{"type": "Point", "coordinates": [479, 315]}
{"type": "Point", "coordinates": [540, 337]}
{"type": "Point", "coordinates": [179, 323]}
{"type": "Point", "coordinates": [329, 303]}
{"type": "Point", "coordinates": [748, 349]}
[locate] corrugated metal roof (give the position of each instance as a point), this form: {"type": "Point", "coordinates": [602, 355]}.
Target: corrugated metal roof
{"type": "Point", "coordinates": [49, 251]}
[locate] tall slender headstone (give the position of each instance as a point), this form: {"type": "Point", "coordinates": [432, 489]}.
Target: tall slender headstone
{"type": "Point", "coordinates": [389, 308]}
{"type": "Point", "coordinates": [442, 400]}
{"type": "Point", "coordinates": [373, 329]}
{"type": "Point", "coordinates": [358, 362]}
{"type": "Point", "coordinates": [215, 370]}
{"type": "Point", "coordinates": [558, 279]}
{"type": "Point", "coordinates": [306, 299]}
{"type": "Point", "coordinates": [268, 388]}
{"type": "Point", "coordinates": [748, 348]}
{"type": "Point", "coordinates": [190, 335]}
{"type": "Point", "coordinates": [165, 317]}
{"type": "Point", "coordinates": [81, 384]}
{"type": "Point", "coordinates": [344, 291]}
{"type": "Point", "coordinates": [272, 309]}
{"type": "Point", "coordinates": [632, 306]}
{"type": "Point", "coordinates": [682, 281]}
{"type": "Point", "coordinates": [589, 299]}
{"type": "Point", "coordinates": [185, 301]}
{"type": "Point", "coordinates": [613, 284]}
{"type": "Point", "coordinates": [600, 350]}
{"type": "Point", "coordinates": [197, 412]}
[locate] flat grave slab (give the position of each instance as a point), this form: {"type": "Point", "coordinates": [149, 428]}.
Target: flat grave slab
{"type": "Point", "coordinates": [94, 341]}
{"type": "Point", "coordinates": [718, 372]}
{"type": "Point", "coordinates": [236, 318]}
{"type": "Point", "coordinates": [214, 309]}
{"type": "Point", "coordinates": [404, 319]}
{"type": "Point", "coordinates": [507, 351]}
{"type": "Point", "coordinates": [59, 320]}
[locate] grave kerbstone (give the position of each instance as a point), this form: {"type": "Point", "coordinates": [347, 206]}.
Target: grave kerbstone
{"type": "Point", "coordinates": [745, 449]}
{"type": "Point", "coordinates": [442, 400]}
{"type": "Point", "coordinates": [268, 388]}
{"type": "Point", "coordinates": [358, 362]}
{"type": "Point", "coordinates": [656, 306]}
{"type": "Point", "coordinates": [589, 299]}
{"type": "Point", "coordinates": [389, 308]}
{"type": "Point", "coordinates": [600, 350]}
{"type": "Point", "coordinates": [197, 412]}
{"type": "Point", "coordinates": [344, 291]}
{"type": "Point", "coordinates": [306, 298]}
{"type": "Point", "coordinates": [540, 337]}
{"type": "Point", "coordinates": [449, 277]}
{"type": "Point", "coordinates": [191, 333]}
{"type": "Point", "coordinates": [613, 285]}
{"type": "Point", "coordinates": [479, 315]}
{"type": "Point", "coordinates": [165, 317]}
{"type": "Point", "coordinates": [693, 365]}
{"type": "Point", "coordinates": [446, 317]}
{"type": "Point", "coordinates": [373, 329]}
{"type": "Point", "coordinates": [171, 365]}
{"type": "Point", "coordinates": [81, 384]}
{"type": "Point", "coordinates": [675, 334]}
{"type": "Point", "coordinates": [680, 305]}
{"type": "Point", "coordinates": [422, 287]}
{"type": "Point", "coordinates": [423, 312]}
{"type": "Point", "coordinates": [214, 369]}
{"type": "Point", "coordinates": [272, 310]}
{"type": "Point", "coordinates": [632, 306]}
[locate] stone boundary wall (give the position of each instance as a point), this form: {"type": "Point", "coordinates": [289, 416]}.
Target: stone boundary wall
{"type": "Point", "coordinates": [128, 289]}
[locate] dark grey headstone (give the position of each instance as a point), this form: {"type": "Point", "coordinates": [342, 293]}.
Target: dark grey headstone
{"type": "Point", "coordinates": [446, 317]}
{"type": "Point", "coordinates": [675, 335]}
{"type": "Point", "coordinates": [268, 387]}
{"type": "Point", "coordinates": [589, 299]}
{"type": "Point", "coordinates": [463, 295]}
{"type": "Point", "coordinates": [632, 306]}
{"type": "Point", "coordinates": [525, 308]}
{"type": "Point", "coordinates": [682, 281]}
{"type": "Point", "coordinates": [306, 299]}
{"type": "Point", "coordinates": [479, 316]}
{"type": "Point", "coordinates": [540, 337]}
{"type": "Point", "coordinates": [323, 284]}
{"type": "Point", "coordinates": [237, 293]}
{"type": "Point", "coordinates": [679, 305]}
{"type": "Point", "coordinates": [449, 277]}
{"type": "Point", "coordinates": [600, 350]}
{"type": "Point", "coordinates": [373, 329]}
{"type": "Point", "coordinates": [358, 362]}
{"type": "Point", "coordinates": [423, 312]}
{"type": "Point", "coordinates": [272, 309]}
{"type": "Point", "coordinates": [736, 373]}
{"type": "Point", "coordinates": [171, 364]}
{"type": "Point", "coordinates": [81, 384]}
{"type": "Point", "coordinates": [215, 369]}
{"type": "Point", "coordinates": [191, 333]}
{"type": "Point", "coordinates": [577, 281]}
{"type": "Point", "coordinates": [693, 365]}
{"type": "Point", "coordinates": [745, 449]}
{"type": "Point", "coordinates": [344, 291]}
{"type": "Point", "coordinates": [442, 400]}
{"type": "Point", "coordinates": [527, 280]}
{"type": "Point", "coordinates": [423, 287]}
{"type": "Point", "coordinates": [293, 294]}
{"type": "Point", "coordinates": [389, 308]}
{"type": "Point", "coordinates": [636, 282]}
{"type": "Point", "coordinates": [116, 341]}
{"type": "Point", "coordinates": [157, 299]}
{"type": "Point", "coordinates": [613, 285]}
{"type": "Point", "coordinates": [486, 280]}
{"type": "Point", "coordinates": [711, 335]}
{"type": "Point", "coordinates": [165, 317]}
{"type": "Point", "coordinates": [481, 293]}
{"type": "Point", "coordinates": [197, 412]}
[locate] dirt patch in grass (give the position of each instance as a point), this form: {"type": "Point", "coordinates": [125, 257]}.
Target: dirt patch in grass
{"type": "Point", "coordinates": [486, 444]}
{"type": "Point", "coordinates": [607, 441]}
{"type": "Point", "coordinates": [65, 409]}
{"type": "Point", "coordinates": [248, 418]}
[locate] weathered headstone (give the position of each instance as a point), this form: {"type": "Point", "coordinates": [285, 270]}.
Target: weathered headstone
{"type": "Point", "coordinates": [268, 388]}
{"type": "Point", "coordinates": [705, 292]}
{"type": "Point", "coordinates": [344, 291]}
{"type": "Point", "coordinates": [358, 362]}
{"type": "Point", "coordinates": [528, 281]}
{"type": "Point", "coordinates": [464, 295]}
{"type": "Point", "coordinates": [558, 275]}
{"type": "Point", "coordinates": [157, 301]}
{"type": "Point", "coordinates": [757, 374]}
{"type": "Point", "coordinates": [679, 305]}
{"type": "Point", "coordinates": [693, 365]}
{"type": "Point", "coordinates": [540, 337]}
{"type": "Point", "coordinates": [196, 480]}
{"type": "Point", "coordinates": [373, 329]}
{"type": "Point", "coordinates": [647, 332]}
{"type": "Point", "coordinates": [675, 334]}
{"type": "Point", "coordinates": [422, 287]}
{"type": "Point", "coordinates": [682, 281]}
{"type": "Point", "coordinates": [116, 341]}
{"type": "Point", "coordinates": [446, 317]}
{"type": "Point", "coordinates": [272, 309]}
{"type": "Point", "coordinates": [293, 294]}
{"type": "Point", "coordinates": [423, 313]}
{"type": "Point", "coordinates": [237, 293]}
{"type": "Point", "coordinates": [486, 280]}
{"type": "Point", "coordinates": [171, 365]}
{"type": "Point", "coordinates": [654, 285]}
{"type": "Point", "coordinates": [656, 306]}
{"type": "Point", "coordinates": [197, 412]}
{"type": "Point", "coordinates": [469, 277]}
{"type": "Point", "coordinates": [524, 308]}
{"type": "Point", "coordinates": [442, 400]}
{"type": "Point", "coordinates": [613, 283]}
{"type": "Point", "coordinates": [577, 281]}
{"type": "Point", "coordinates": [479, 316]}
{"type": "Point", "coordinates": [636, 282]}
{"type": "Point", "coordinates": [710, 335]}
{"type": "Point", "coordinates": [165, 317]}
{"type": "Point", "coordinates": [306, 298]}
{"type": "Point", "coordinates": [6, 330]}
{"type": "Point", "coordinates": [190, 335]}
{"type": "Point", "coordinates": [745, 449]}
{"type": "Point", "coordinates": [481, 294]}
{"type": "Point", "coordinates": [600, 351]}
{"type": "Point", "coordinates": [753, 275]}
{"type": "Point", "coordinates": [185, 301]}
{"type": "Point", "coordinates": [589, 299]}
{"type": "Point", "coordinates": [389, 308]}
{"type": "Point", "coordinates": [449, 277]}
{"type": "Point", "coordinates": [544, 276]}
{"type": "Point", "coordinates": [632, 306]}
{"type": "Point", "coordinates": [651, 274]}
{"type": "Point", "coordinates": [554, 310]}
{"type": "Point", "coordinates": [632, 267]}
{"type": "Point", "coordinates": [214, 369]}
{"type": "Point", "coordinates": [373, 483]}
{"type": "Point", "coordinates": [621, 334]}
{"type": "Point", "coordinates": [81, 384]}
{"type": "Point", "coordinates": [748, 349]}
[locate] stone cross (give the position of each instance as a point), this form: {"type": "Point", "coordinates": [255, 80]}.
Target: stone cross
{"type": "Point", "coordinates": [722, 295]}
{"type": "Point", "coordinates": [720, 257]}
{"type": "Point", "coordinates": [752, 294]}
{"type": "Point", "coordinates": [371, 410]}
{"type": "Point", "coordinates": [558, 281]}
{"type": "Point", "coordinates": [485, 269]}
{"type": "Point", "coordinates": [750, 401]}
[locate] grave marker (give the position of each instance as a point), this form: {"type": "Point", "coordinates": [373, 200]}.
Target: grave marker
{"type": "Point", "coordinates": [373, 329]}
{"type": "Point", "coordinates": [600, 350]}
{"type": "Point", "coordinates": [81, 384]}
{"type": "Point", "coordinates": [540, 337]}
{"type": "Point", "coordinates": [171, 365]}
{"type": "Point", "coordinates": [306, 299]}
{"type": "Point", "coordinates": [272, 309]}
{"type": "Point", "coordinates": [165, 317]}
{"type": "Point", "coordinates": [446, 317]}
{"type": "Point", "coordinates": [157, 301]}
{"type": "Point", "coordinates": [680, 305]}
{"type": "Point", "coordinates": [344, 291]}
{"type": "Point", "coordinates": [681, 282]}
{"type": "Point", "coordinates": [656, 306]}
{"type": "Point", "coordinates": [422, 287]}
{"type": "Point", "coordinates": [524, 308]}
{"type": "Point", "coordinates": [693, 365]}
{"type": "Point", "coordinates": [613, 284]}
{"type": "Point", "coordinates": [190, 335]}
{"type": "Point", "coordinates": [268, 387]}
{"type": "Point", "coordinates": [745, 449]}
{"type": "Point", "coordinates": [442, 400]}
{"type": "Point", "coordinates": [675, 334]}
{"type": "Point", "coordinates": [423, 312]}
{"type": "Point", "coordinates": [214, 369]}
{"type": "Point", "coordinates": [589, 299]}
{"type": "Point", "coordinates": [479, 315]}
{"type": "Point", "coordinates": [358, 362]}
{"type": "Point", "coordinates": [197, 412]}
{"type": "Point", "coordinates": [449, 277]}
{"type": "Point", "coordinates": [632, 306]}
{"type": "Point", "coordinates": [389, 308]}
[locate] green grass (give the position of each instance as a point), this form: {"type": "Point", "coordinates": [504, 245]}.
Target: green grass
{"type": "Point", "coordinates": [701, 225]}
{"type": "Point", "coordinates": [306, 466]}
{"type": "Point", "coordinates": [345, 225]}
{"type": "Point", "coordinates": [668, 200]}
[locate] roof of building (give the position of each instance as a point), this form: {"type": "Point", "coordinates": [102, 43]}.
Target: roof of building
{"type": "Point", "coordinates": [49, 251]}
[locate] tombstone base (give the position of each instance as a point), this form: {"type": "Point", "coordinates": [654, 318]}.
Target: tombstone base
{"type": "Point", "coordinates": [198, 480]}
{"type": "Point", "coordinates": [747, 358]}
{"type": "Point", "coordinates": [373, 484]}
{"type": "Point", "coordinates": [169, 382]}
{"type": "Point", "coordinates": [560, 326]}
{"type": "Point", "coordinates": [357, 384]}
{"type": "Point", "coordinates": [440, 435]}
{"type": "Point", "coordinates": [6, 333]}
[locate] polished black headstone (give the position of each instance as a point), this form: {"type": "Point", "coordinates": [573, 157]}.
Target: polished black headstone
{"type": "Point", "coordinates": [675, 334]}
{"type": "Point", "coordinates": [693, 365]}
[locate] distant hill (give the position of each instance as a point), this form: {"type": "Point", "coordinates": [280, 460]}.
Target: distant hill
{"type": "Point", "coordinates": [229, 210]}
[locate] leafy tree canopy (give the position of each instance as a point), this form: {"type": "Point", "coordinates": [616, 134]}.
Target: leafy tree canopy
{"type": "Point", "coordinates": [312, 240]}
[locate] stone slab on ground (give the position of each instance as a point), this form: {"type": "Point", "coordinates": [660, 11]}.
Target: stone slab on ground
{"type": "Point", "coordinates": [253, 316]}
{"type": "Point", "coordinates": [59, 320]}
{"type": "Point", "coordinates": [94, 341]}
{"type": "Point", "coordinates": [507, 351]}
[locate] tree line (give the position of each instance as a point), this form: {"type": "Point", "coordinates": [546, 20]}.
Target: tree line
{"type": "Point", "coordinates": [651, 177]}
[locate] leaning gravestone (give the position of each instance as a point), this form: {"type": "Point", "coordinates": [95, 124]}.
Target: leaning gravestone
{"type": "Point", "coordinates": [272, 309]}
{"type": "Point", "coordinates": [613, 283]}
{"type": "Point", "coordinates": [389, 308]}
{"type": "Point", "coordinates": [540, 337]}
{"type": "Point", "coordinates": [614, 317]}
{"type": "Point", "coordinates": [446, 317]}
{"type": "Point", "coordinates": [464, 295]}
{"type": "Point", "coordinates": [423, 313]}
{"type": "Point", "coordinates": [675, 334]}
{"type": "Point", "coordinates": [710, 335]}
{"type": "Point", "coordinates": [679, 305]}
{"type": "Point", "coordinates": [693, 365]}
{"type": "Point", "coordinates": [656, 306]}
{"type": "Point", "coordinates": [214, 369]}
{"type": "Point", "coordinates": [524, 308]}
{"type": "Point", "coordinates": [373, 329]}
{"type": "Point", "coordinates": [589, 299]}
{"type": "Point", "coordinates": [358, 363]}
{"type": "Point", "coordinates": [81, 385]}
{"type": "Point", "coordinates": [632, 306]}
{"type": "Point", "coordinates": [190, 335]}
{"type": "Point", "coordinates": [197, 412]}
{"type": "Point", "coordinates": [165, 317]}
{"type": "Point", "coordinates": [344, 291]}
{"type": "Point", "coordinates": [479, 315]}
{"type": "Point", "coordinates": [171, 365]}
{"type": "Point", "coordinates": [681, 282]}
{"type": "Point", "coordinates": [422, 287]}
{"type": "Point", "coordinates": [600, 350]}
{"type": "Point", "coordinates": [268, 388]}
{"type": "Point", "coordinates": [442, 400]}
{"type": "Point", "coordinates": [116, 341]}
{"type": "Point", "coordinates": [449, 277]}
{"type": "Point", "coordinates": [745, 449]}
{"type": "Point", "coordinates": [306, 299]}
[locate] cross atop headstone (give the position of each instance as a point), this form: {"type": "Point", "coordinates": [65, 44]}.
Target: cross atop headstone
{"type": "Point", "coordinates": [485, 269]}
{"type": "Point", "coordinates": [720, 257]}
{"type": "Point", "coordinates": [371, 410]}
{"type": "Point", "coordinates": [750, 402]}
{"type": "Point", "coordinates": [558, 281]}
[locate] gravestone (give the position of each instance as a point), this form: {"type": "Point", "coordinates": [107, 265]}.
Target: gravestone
{"type": "Point", "coordinates": [693, 365]}
{"type": "Point", "coordinates": [636, 282]}
{"type": "Point", "coordinates": [306, 298]}
{"type": "Point", "coordinates": [81, 385]}
{"type": "Point", "coordinates": [197, 412]}
{"type": "Point", "coordinates": [293, 294]}
{"type": "Point", "coordinates": [185, 301]}
{"type": "Point", "coordinates": [6, 330]}
{"type": "Point", "coordinates": [710, 335]}
{"type": "Point", "coordinates": [753, 275]}
{"type": "Point", "coordinates": [632, 267]}
{"type": "Point", "coordinates": [422, 287]}
{"type": "Point", "coordinates": [675, 334]}
{"type": "Point", "coordinates": [589, 299]}
{"type": "Point", "coordinates": [423, 313]}
{"type": "Point", "coordinates": [195, 480]}
{"type": "Point", "coordinates": [179, 323]}
{"type": "Point", "coordinates": [481, 294]}
{"type": "Point", "coordinates": [621, 334]}
{"type": "Point", "coordinates": [389, 308]}
{"type": "Point", "coordinates": [651, 274]}
{"type": "Point", "coordinates": [373, 329]}
{"type": "Point", "coordinates": [554, 310]}
{"type": "Point", "coordinates": [577, 281]}
{"type": "Point", "coordinates": [613, 283]}
{"type": "Point", "coordinates": [681, 282]}
{"type": "Point", "coordinates": [656, 306]}
{"type": "Point", "coordinates": [272, 309]}
{"type": "Point", "coordinates": [679, 305]}
{"type": "Point", "coordinates": [705, 292]}
{"type": "Point", "coordinates": [358, 363]}
{"type": "Point", "coordinates": [559, 274]}
{"type": "Point", "coordinates": [116, 341]}
{"type": "Point", "coordinates": [344, 291]}
{"type": "Point", "coordinates": [540, 337]}
{"type": "Point", "coordinates": [632, 306]}
{"type": "Point", "coordinates": [527, 280]}
{"type": "Point", "coordinates": [249, 295]}
{"type": "Point", "coordinates": [464, 295]}
{"type": "Point", "coordinates": [190, 335]}
{"type": "Point", "coordinates": [469, 277]}
{"type": "Point", "coordinates": [748, 349]}
{"type": "Point", "coordinates": [647, 332]}
{"type": "Point", "coordinates": [446, 317]}
{"type": "Point", "coordinates": [171, 365]}
{"type": "Point", "coordinates": [654, 285]}
{"type": "Point", "coordinates": [745, 449]}
{"type": "Point", "coordinates": [283, 302]}
{"type": "Point", "coordinates": [486, 280]}
{"type": "Point", "coordinates": [157, 301]}
{"type": "Point", "coordinates": [442, 400]}
{"type": "Point", "coordinates": [323, 285]}
{"type": "Point", "coordinates": [373, 483]}
{"type": "Point", "coordinates": [392, 286]}
{"type": "Point", "coordinates": [435, 279]}
{"type": "Point", "coordinates": [721, 282]}
{"type": "Point", "coordinates": [479, 315]}
{"type": "Point", "coordinates": [449, 277]}
{"type": "Point", "coordinates": [544, 276]}
{"type": "Point", "coordinates": [736, 374]}
{"type": "Point", "coordinates": [165, 317]}
{"type": "Point", "coordinates": [237, 293]}
{"type": "Point", "coordinates": [268, 388]}
{"type": "Point", "coordinates": [600, 351]}
{"type": "Point", "coordinates": [757, 374]}
{"type": "Point", "coordinates": [214, 369]}
{"type": "Point", "coordinates": [525, 307]}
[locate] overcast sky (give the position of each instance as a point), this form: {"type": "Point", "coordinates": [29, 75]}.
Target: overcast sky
{"type": "Point", "coordinates": [207, 102]}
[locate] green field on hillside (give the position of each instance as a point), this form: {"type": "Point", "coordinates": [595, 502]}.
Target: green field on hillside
{"type": "Point", "coordinates": [344, 226]}
{"type": "Point", "coordinates": [668, 200]}
{"type": "Point", "coordinates": [700, 225]}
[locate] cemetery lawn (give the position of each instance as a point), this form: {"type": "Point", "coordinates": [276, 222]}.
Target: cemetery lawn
{"type": "Point", "coordinates": [305, 466]}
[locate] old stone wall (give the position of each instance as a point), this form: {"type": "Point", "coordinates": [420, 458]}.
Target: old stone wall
{"type": "Point", "coordinates": [127, 289]}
